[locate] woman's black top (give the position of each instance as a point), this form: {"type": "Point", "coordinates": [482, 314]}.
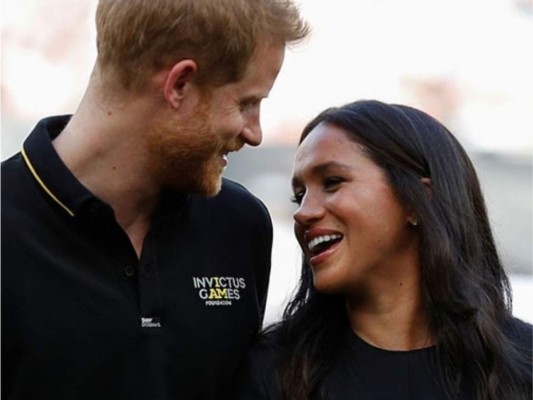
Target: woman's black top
{"type": "Point", "coordinates": [365, 372]}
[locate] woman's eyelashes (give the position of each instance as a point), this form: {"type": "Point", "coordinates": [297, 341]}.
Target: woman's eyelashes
{"type": "Point", "coordinates": [332, 182]}
{"type": "Point", "coordinates": [329, 184]}
{"type": "Point", "coordinates": [297, 197]}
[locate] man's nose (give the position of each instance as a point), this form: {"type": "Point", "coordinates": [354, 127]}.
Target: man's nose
{"type": "Point", "coordinates": [252, 133]}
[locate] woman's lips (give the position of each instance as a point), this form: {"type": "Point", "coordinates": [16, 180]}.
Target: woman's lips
{"type": "Point", "coordinates": [322, 256]}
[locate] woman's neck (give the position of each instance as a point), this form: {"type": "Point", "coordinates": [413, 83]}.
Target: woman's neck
{"type": "Point", "coordinates": [394, 320]}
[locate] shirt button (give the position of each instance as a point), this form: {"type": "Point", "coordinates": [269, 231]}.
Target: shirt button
{"type": "Point", "coordinates": [129, 271]}
{"type": "Point", "coordinates": [148, 269]}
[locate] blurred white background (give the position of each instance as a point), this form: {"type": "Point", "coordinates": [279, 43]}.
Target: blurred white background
{"type": "Point", "coordinates": [467, 62]}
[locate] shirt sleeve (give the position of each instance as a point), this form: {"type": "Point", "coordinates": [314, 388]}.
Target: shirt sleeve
{"type": "Point", "coordinates": [264, 262]}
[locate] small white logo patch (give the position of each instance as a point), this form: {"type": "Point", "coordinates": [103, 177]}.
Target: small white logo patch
{"type": "Point", "coordinates": [150, 322]}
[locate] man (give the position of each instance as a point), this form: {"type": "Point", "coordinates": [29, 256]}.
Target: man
{"type": "Point", "coordinates": [130, 268]}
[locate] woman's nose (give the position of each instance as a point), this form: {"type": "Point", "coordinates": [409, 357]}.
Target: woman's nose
{"type": "Point", "coordinates": [310, 209]}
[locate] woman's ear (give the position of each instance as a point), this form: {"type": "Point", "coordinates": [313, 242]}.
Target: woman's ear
{"type": "Point", "coordinates": [176, 81]}
{"type": "Point", "coordinates": [427, 183]}
{"type": "Point", "coordinates": [412, 218]}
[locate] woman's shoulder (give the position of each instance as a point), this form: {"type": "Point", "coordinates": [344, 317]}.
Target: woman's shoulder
{"type": "Point", "coordinates": [265, 348]}
{"type": "Point", "coordinates": [519, 332]}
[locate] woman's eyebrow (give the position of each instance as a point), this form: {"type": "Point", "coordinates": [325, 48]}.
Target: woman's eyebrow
{"type": "Point", "coordinates": [321, 169]}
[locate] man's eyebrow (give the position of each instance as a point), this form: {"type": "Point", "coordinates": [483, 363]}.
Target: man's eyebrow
{"type": "Point", "coordinates": [252, 98]}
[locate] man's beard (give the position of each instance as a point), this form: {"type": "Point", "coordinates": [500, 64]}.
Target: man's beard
{"type": "Point", "coordinates": [185, 153]}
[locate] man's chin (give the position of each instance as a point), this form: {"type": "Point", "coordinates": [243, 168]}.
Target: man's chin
{"type": "Point", "coordinates": [206, 182]}
{"type": "Point", "coordinates": [211, 190]}
{"type": "Point", "coordinates": [207, 187]}
{"type": "Point", "coordinates": [200, 190]}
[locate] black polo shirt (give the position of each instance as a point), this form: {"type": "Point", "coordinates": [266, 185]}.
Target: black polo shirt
{"type": "Point", "coordinates": [84, 318]}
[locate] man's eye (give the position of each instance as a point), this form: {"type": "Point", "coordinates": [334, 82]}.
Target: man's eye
{"type": "Point", "coordinates": [249, 105]}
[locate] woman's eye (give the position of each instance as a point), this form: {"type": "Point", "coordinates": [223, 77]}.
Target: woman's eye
{"type": "Point", "coordinates": [297, 198]}
{"type": "Point", "coordinates": [332, 182]}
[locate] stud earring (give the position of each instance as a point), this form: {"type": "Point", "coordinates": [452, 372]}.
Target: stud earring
{"type": "Point", "coordinates": [414, 222]}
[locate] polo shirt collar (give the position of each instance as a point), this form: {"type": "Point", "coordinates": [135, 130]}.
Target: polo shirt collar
{"type": "Point", "coordinates": [62, 186]}
{"type": "Point", "coordinates": [49, 170]}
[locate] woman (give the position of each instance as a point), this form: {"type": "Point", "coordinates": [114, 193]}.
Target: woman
{"type": "Point", "coordinates": [402, 293]}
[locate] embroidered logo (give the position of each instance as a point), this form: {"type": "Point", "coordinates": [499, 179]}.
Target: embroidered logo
{"type": "Point", "coordinates": [219, 290]}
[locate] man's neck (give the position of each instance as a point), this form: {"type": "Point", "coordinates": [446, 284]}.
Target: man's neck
{"type": "Point", "coordinates": [103, 147]}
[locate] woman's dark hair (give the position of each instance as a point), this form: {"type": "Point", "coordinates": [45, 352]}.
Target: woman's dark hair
{"type": "Point", "coordinates": [466, 292]}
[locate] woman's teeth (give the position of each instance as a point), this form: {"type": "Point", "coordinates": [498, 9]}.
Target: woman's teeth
{"type": "Point", "coordinates": [322, 239]}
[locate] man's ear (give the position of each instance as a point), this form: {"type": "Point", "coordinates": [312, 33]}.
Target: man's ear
{"type": "Point", "coordinates": [176, 81]}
